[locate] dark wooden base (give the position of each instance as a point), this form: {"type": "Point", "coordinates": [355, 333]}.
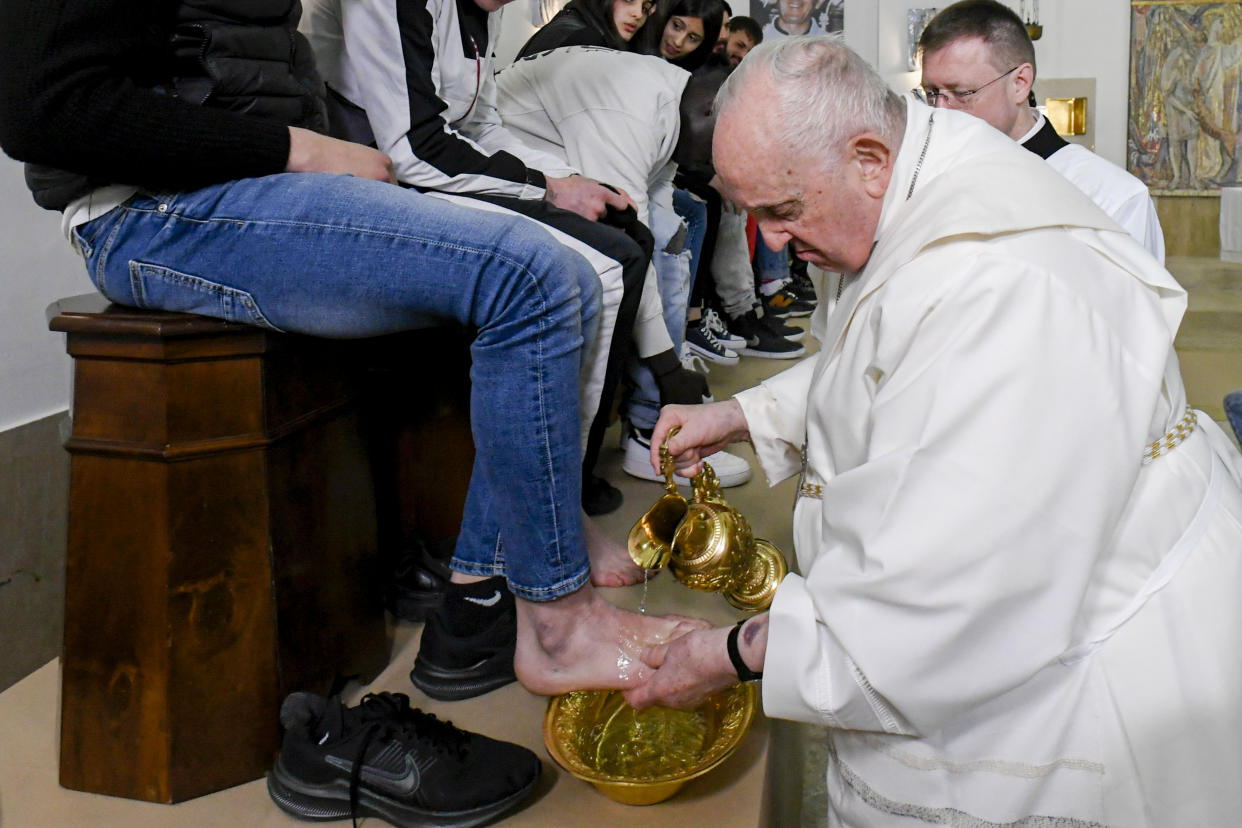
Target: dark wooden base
{"type": "Point", "coordinates": [222, 546]}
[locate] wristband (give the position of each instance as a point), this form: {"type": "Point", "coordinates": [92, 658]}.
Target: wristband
{"type": "Point", "coordinates": [744, 673]}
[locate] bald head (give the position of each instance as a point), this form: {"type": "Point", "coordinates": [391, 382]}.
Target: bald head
{"type": "Point", "coordinates": [821, 93]}
{"type": "Point", "coordinates": [818, 181]}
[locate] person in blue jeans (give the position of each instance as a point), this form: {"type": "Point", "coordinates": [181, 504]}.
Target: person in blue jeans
{"type": "Point", "coordinates": [217, 193]}
{"type": "Point", "coordinates": [1233, 410]}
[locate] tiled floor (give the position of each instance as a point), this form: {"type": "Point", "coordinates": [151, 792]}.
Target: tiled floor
{"type": "Point", "coordinates": [1211, 352]}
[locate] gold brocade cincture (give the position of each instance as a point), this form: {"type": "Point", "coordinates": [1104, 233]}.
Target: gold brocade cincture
{"type": "Point", "coordinates": [1175, 436]}
{"type": "Point", "coordinates": [805, 489]}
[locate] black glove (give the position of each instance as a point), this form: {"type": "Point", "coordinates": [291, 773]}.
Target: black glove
{"type": "Point", "coordinates": [678, 386]}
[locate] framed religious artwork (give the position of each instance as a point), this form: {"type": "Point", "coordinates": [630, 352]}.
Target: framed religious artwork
{"type": "Point", "coordinates": [785, 17]}
{"type": "Point", "coordinates": [1184, 132]}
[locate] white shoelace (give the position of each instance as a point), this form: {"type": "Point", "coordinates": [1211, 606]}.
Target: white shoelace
{"type": "Point", "coordinates": [692, 361]}
{"type": "Point", "coordinates": [713, 323]}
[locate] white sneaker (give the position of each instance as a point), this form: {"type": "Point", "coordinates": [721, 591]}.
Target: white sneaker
{"type": "Point", "coordinates": [731, 469]}
{"type": "Point", "coordinates": [721, 331]}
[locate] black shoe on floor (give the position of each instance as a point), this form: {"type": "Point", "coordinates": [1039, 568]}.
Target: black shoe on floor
{"type": "Point", "coordinates": [467, 644]}
{"type": "Point", "coordinates": [782, 328]}
{"type": "Point", "coordinates": [802, 286]}
{"type": "Point", "coordinates": [761, 341]}
{"type": "Point", "coordinates": [416, 584]}
{"type": "Point", "coordinates": [784, 303]}
{"type": "Point", "coordinates": [599, 497]}
{"type": "Point", "coordinates": [387, 760]}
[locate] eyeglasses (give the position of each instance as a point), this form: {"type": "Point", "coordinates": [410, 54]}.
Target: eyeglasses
{"type": "Point", "coordinates": [960, 97]}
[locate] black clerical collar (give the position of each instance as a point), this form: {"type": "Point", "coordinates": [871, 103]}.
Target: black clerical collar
{"type": "Point", "coordinates": [1046, 141]}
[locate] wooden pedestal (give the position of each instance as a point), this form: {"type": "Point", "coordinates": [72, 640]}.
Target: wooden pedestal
{"type": "Point", "coordinates": [222, 546]}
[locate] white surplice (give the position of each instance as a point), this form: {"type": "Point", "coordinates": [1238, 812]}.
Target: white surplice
{"type": "Point", "coordinates": [1005, 615]}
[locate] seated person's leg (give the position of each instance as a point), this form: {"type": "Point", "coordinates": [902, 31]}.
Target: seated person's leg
{"type": "Point", "coordinates": [693, 211]}
{"type": "Point", "coordinates": [347, 257]}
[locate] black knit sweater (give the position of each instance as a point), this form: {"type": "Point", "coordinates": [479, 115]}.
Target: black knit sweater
{"type": "Point", "coordinates": [77, 81]}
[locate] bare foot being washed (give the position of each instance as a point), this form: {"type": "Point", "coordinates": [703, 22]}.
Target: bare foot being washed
{"type": "Point", "coordinates": [611, 564]}
{"type": "Point", "coordinates": [582, 642]}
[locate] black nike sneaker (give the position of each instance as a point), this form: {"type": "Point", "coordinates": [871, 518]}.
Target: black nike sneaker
{"type": "Point", "coordinates": [467, 645]}
{"type": "Point", "coordinates": [388, 760]}
{"type": "Point", "coordinates": [417, 582]}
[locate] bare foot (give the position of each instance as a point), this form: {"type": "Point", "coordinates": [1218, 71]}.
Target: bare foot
{"type": "Point", "coordinates": [611, 564]}
{"type": "Point", "coordinates": [582, 642]}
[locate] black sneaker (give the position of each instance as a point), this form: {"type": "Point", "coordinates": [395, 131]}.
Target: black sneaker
{"type": "Point", "coordinates": [387, 760]}
{"type": "Point", "coordinates": [417, 582]}
{"type": "Point", "coordinates": [701, 339]}
{"type": "Point", "coordinates": [467, 644]}
{"type": "Point", "coordinates": [785, 303]}
{"type": "Point", "coordinates": [599, 497]}
{"type": "Point", "coordinates": [802, 286]}
{"type": "Point", "coordinates": [783, 329]}
{"type": "Point", "coordinates": [761, 341]}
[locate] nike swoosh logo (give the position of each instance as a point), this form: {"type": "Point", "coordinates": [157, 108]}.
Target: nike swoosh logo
{"type": "Point", "coordinates": [491, 601]}
{"type": "Point", "coordinates": [402, 784]}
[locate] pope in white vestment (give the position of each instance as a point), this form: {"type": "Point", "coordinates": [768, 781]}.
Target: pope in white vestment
{"type": "Point", "coordinates": [1020, 550]}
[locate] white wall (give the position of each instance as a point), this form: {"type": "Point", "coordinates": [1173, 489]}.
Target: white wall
{"type": "Point", "coordinates": [37, 267]}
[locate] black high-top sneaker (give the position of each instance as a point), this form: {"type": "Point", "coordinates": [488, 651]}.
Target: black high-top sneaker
{"type": "Point", "coordinates": [468, 642]}
{"type": "Point", "coordinates": [388, 760]}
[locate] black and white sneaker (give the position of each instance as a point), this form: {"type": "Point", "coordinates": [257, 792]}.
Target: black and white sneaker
{"type": "Point", "coordinates": [784, 303]}
{"type": "Point", "coordinates": [761, 341]}
{"type": "Point", "coordinates": [467, 644]}
{"type": "Point", "coordinates": [702, 341]}
{"type": "Point", "coordinates": [800, 285]}
{"type": "Point", "coordinates": [721, 331]}
{"type": "Point", "coordinates": [387, 760]}
{"type": "Point", "coordinates": [783, 329]}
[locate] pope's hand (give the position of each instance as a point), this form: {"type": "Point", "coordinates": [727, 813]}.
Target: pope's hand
{"type": "Point", "coordinates": [705, 430]}
{"type": "Point", "coordinates": [688, 670]}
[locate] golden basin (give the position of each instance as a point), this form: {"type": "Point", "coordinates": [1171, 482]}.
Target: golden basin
{"type": "Point", "coordinates": [640, 757]}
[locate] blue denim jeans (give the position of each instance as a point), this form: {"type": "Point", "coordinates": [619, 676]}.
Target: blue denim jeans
{"type": "Point", "coordinates": [1233, 410]}
{"type": "Point", "coordinates": [337, 256]}
{"type": "Point", "coordinates": [673, 282]}
{"type": "Point", "coordinates": [773, 265]}
{"type": "Point", "coordinates": [693, 211]}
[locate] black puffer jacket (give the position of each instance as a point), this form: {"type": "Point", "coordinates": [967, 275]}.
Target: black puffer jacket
{"type": "Point", "coordinates": [95, 92]}
{"type": "Point", "coordinates": [247, 56]}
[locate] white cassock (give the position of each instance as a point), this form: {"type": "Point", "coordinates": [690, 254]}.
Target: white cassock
{"type": "Point", "coordinates": [1007, 614]}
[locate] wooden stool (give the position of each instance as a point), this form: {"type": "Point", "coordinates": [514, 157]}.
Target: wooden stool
{"type": "Point", "coordinates": [222, 546]}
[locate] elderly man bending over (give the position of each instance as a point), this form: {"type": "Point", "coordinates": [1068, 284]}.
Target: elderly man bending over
{"type": "Point", "coordinates": [1019, 547]}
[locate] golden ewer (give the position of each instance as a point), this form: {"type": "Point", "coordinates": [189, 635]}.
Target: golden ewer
{"type": "Point", "coordinates": [706, 544]}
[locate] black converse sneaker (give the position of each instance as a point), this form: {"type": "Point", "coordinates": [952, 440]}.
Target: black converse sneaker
{"type": "Point", "coordinates": [702, 341]}
{"type": "Point", "coordinates": [723, 335]}
{"type": "Point", "coordinates": [468, 642]}
{"type": "Point", "coordinates": [387, 760]}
